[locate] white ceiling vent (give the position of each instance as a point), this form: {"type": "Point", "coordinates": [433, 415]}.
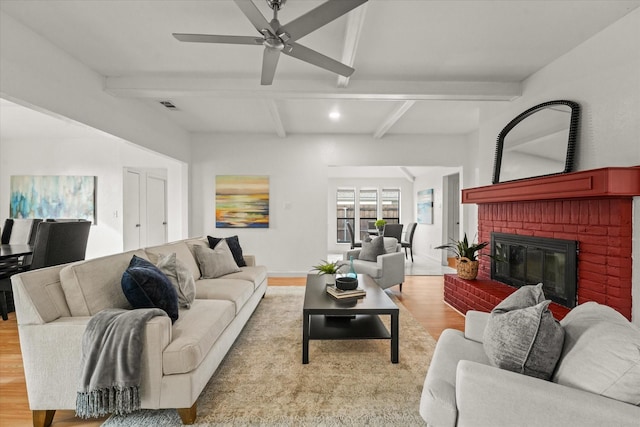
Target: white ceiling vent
{"type": "Point", "coordinates": [168, 105]}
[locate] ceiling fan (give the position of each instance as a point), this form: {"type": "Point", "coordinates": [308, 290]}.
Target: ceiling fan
{"type": "Point", "coordinates": [278, 38]}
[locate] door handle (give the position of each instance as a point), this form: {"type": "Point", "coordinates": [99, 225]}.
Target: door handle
{"type": "Point", "coordinates": [137, 225]}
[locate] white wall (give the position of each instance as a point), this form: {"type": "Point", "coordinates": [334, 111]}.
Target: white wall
{"type": "Point", "coordinates": [603, 76]}
{"type": "Point", "coordinates": [298, 168]}
{"type": "Point", "coordinates": [102, 156]}
{"type": "Point", "coordinates": [428, 236]}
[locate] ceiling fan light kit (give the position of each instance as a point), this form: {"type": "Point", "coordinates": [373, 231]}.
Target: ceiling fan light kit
{"type": "Point", "coordinates": [278, 38]}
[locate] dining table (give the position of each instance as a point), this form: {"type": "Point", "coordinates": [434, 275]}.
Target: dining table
{"type": "Point", "coordinates": [8, 251]}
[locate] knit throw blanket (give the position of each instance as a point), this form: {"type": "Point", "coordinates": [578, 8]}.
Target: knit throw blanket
{"type": "Point", "coordinates": [110, 364]}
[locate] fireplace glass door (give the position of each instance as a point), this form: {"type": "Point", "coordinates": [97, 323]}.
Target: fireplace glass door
{"type": "Point", "coordinates": [525, 260]}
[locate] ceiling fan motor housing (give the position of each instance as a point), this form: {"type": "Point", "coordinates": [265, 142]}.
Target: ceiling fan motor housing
{"type": "Point", "coordinates": [276, 4]}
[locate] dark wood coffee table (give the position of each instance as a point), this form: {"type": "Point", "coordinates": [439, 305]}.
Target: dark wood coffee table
{"type": "Point", "coordinates": [326, 318]}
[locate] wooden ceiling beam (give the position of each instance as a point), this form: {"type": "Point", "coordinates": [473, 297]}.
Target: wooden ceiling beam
{"type": "Point", "coordinates": [392, 119]}
{"type": "Point", "coordinates": [355, 22]}
{"type": "Point", "coordinates": [166, 87]}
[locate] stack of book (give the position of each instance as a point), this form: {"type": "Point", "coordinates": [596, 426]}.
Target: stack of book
{"type": "Point", "coordinates": [340, 294]}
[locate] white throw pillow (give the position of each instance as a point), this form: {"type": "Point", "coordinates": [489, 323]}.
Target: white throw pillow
{"type": "Point", "coordinates": [216, 262]}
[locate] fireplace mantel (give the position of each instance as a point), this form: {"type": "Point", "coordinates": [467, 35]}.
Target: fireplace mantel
{"type": "Point", "coordinates": [594, 183]}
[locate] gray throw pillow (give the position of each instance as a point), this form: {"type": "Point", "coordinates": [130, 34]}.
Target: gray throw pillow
{"type": "Point", "coordinates": [523, 336]}
{"type": "Point", "coordinates": [180, 277]}
{"type": "Point", "coordinates": [371, 250]}
{"type": "Point", "coordinates": [215, 262]}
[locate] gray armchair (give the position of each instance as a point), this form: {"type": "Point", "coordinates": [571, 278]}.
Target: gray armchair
{"type": "Point", "coordinates": [387, 270]}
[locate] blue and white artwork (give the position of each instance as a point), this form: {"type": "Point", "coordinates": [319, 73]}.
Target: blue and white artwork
{"type": "Point", "coordinates": [425, 206]}
{"type": "Point", "coordinates": [53, 196]}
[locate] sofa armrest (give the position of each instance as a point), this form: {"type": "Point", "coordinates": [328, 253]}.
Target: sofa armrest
{"type": "Point", "coordinates": [475, 323]}
{"type": "Point", "coordinates": [392, 267]}
{"type": "Point", "coordinates": [52, 352]}
{"type": "Point", "coordinates": [486, 395]}
{"type": "Point", "coordinates": [250, 260]}
{"type": "Point", "coordinates": [352, 253]}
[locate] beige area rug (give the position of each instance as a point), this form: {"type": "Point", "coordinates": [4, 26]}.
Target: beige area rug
{"type": "Point", "coordinates": [262, 380]}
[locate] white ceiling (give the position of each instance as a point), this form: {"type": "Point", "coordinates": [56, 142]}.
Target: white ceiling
{"type": "Point", "coordinates": [422, 66]}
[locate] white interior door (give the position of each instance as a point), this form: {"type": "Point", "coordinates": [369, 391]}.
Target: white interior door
{"type": "Point", "coordinates": [451, 213]}
{"type": "Point", "coordinates": [156, 211]}
{"type": "Point", "coordinates": [131, 211]}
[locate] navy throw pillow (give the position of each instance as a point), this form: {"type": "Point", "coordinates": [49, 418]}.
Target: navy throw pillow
{"type": "Point", "coordinates": [145, 286]}
{"type": "Point", "coordinates": [234, 245]}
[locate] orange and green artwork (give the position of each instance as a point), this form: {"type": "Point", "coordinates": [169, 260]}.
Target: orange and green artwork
{"type": "Point", "coordinates": [242, 201]}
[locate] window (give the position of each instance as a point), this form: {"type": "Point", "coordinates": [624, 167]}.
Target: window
{"type": "Point", "coordinates": [372, 203]}
{"type": "Point", "coordinates": [345, 212]}
{"type": "Point", "coordinates": [391, 206]}
{"type": "Point", "coordinates": [368, 209]}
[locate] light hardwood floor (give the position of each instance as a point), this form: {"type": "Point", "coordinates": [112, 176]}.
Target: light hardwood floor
{"type": "Point", "coordinates": [421, 295]}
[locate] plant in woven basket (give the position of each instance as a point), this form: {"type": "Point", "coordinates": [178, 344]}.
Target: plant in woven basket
{"type": "Point", "coordinates": [463, 249]}
{"type": "Point", "coordinates": [466, 256]}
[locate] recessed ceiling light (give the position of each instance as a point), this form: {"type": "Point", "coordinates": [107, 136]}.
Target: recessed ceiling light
{"type": "Point", "coordinates": [334, 115]}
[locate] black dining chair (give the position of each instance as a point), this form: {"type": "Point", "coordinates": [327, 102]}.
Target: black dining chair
{"type": "Point", "coordinates": [352, 237]}
{"type": "Point", "coordinates": [393, 230]}
{"type": "Point", "coordinates": [59, 243]}
{"type": "Point", "coordinates": [54, 243]}
{"type": "Point", "coordinates": [407, 244]}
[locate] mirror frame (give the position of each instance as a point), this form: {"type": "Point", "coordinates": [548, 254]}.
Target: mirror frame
{"type": "Point", "coordinates": [571, 143]}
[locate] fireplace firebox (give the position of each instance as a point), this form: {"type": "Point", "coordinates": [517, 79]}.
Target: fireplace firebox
{"type": "Point", "coordinates": [526, 260]}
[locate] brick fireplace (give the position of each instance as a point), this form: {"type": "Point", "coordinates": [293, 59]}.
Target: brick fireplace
{"type": "Point", "coordinates": [594, 208]}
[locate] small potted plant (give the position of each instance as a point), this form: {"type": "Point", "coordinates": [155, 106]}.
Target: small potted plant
{"type": "Point", "coordinates": [380, 225]}
{"type": "Point", "coordinates": [466, 256]}
{"type": "Point", "coordinates": [328, 269]}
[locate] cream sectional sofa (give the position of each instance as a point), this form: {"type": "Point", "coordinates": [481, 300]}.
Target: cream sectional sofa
{"type": "Point", "coordinates": [53, 306]}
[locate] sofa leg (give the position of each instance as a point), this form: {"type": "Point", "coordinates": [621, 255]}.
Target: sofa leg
{"type": "Point", "coordinates": [400, 287]}
{"type": "Point", "coordinates": [188, 415]}
{"type": "Point", "coordinates": [43, 418]}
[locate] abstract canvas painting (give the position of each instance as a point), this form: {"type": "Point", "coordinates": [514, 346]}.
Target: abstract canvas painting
{"type": "Point", "coordinates": [425, 206]}
{"type": "Point", "coordinates": [53, 196]}
{"type": "Point", "coordinates": [242, 201]}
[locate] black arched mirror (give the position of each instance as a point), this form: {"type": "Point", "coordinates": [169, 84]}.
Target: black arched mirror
{"type": "Point", "coordinates": [540, 141]}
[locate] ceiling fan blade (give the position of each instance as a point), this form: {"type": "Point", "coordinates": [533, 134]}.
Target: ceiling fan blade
{"type": "Point", "coordinates": [210, 38]}
{"type": "Point", "coordinates": [257, 19]}
{"type": "Point", "coordinates": [269, 62]}
{"type": "Point", "coordinates": [318, 17]}
{"type": "Point", "coordinates": [316, 58]}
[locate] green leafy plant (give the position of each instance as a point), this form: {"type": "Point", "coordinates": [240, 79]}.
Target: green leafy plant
{"type": "Point", "coordinates": [380, 223]}
{"type": "Point", "coordinates": [327, 267]}
{"type": "Point", "coordinates": [463, 249]}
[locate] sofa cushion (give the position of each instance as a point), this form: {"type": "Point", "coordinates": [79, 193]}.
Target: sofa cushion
{"type": "Point", "coordinates": [601, 353]}
{"type": "Point", "coordinates": [145, 286]}
{"type": "Point", "coordinates": [371, 250]}
{"type": "Point", "coordinates": [367, 267]}
{"type": "Point", "coordinates": [183, 254]}
{"type": "Point", "coordinates": [180, 276]}
{"type": "Point", "coordinates": [93, 285]}
{"type": "Point", "coordinates": [194, 334]}
{"type": "Point", "coordinates": [254, 274]}
{"type": "Point", "coordinates": [234, 290]}
{"type": "Point", "coordinates": [215, 262]}
{"type": "Point", "coordinates": [523, 338]}
{"type": "Point", "coordinates": [234, 245]}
